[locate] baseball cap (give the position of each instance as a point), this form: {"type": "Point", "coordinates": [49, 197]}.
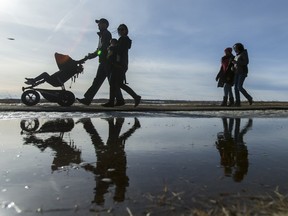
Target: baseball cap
{"type": "Point", "coordinates": [103, 20]}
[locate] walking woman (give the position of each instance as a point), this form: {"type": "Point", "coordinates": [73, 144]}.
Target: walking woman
{"type": "Point", "coordinates": [225, 77]}
{"type": "Point", "coordinates": [119, 67]}
{"type": "Point", "coordinates": [240, 67]}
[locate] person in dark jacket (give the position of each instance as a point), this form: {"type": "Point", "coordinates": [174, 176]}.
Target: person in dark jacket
{"type": "Point", "coordinates": [102, 72]}
{"type": "Point", "coordinates": [119, 68]}
{"type": "Point", "coordinates": [225, 77]}
{"type": "Point", "coordinates": [240, 68]}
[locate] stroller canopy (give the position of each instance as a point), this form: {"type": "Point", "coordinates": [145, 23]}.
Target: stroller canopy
{"type": "Point", "coordinates": [69, 68]}
{"type": "Point", "coordinates": [65, 62]}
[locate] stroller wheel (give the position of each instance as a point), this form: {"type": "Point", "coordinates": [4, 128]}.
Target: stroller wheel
{"type": "Point", "coordinates": [66, 98]}
{"type": "Point", "coordinates": [30, 97]}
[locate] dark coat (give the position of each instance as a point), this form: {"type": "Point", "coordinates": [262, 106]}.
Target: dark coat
{"type": "Point", "coordinates": [104, 42]}
{"type": "Point", "coordinates": [124, 44]}
{"type": "Point", "coordinates": [225, 74]}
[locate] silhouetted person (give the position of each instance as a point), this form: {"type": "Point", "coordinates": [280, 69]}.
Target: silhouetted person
{"type": "Point", "coordinates": [225, 77]}
{"type": "Point", "coordinates": [118, 68]}
{"type": "Point", "coordinates": [102, 72]}
{"type": "Point", "coordinates": [240, 69]}
{"type": "Point", "coordinates": [111, 158]}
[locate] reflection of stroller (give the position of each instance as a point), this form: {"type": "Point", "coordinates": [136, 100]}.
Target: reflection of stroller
{"type": "Point", "coordinates": [50, 135]}
{"type": "Point", "coordinates": [68, 69]}
{"type": "Point", "coordinates": [52, 126]}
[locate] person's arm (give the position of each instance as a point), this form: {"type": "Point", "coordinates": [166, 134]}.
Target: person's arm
{"type": "Point", "coordinates": [104, 43]}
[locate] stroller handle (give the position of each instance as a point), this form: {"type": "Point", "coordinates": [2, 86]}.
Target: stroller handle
{"type": "Point", "coordinates": [83, 60]}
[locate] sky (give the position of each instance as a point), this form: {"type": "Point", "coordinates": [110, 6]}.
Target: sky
{"type": "Point", "coordinates": [176, 45]}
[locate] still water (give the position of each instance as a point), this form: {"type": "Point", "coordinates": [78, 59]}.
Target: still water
{"type": "Point", "coordinates": [132, 166]}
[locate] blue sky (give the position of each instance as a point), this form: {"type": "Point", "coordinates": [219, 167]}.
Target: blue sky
{"type": "Point", "coordinates": [176, 50]}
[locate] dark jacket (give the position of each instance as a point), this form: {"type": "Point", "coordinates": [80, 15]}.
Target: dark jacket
{"type": "Point", "coordinates": [225, 74]}
{"type": "Point", "coordinates": [104, 42]}
{"type": "Point", "coordinates": [242, 61]}
{"type": "Point", "coordinates": [112, 64]}
{"type": "Point", "coordinates": [124, 44]}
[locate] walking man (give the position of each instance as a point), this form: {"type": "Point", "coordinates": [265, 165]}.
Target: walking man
{"type": "Point", "coordinates": [102, 71]}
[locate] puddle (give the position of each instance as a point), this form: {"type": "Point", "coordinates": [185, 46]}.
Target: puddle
{"type": "Point", "coordinates": [126, 165]}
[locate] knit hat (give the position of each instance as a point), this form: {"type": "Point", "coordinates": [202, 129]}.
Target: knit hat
{"type": "Point", "coordinates": [228, 49]}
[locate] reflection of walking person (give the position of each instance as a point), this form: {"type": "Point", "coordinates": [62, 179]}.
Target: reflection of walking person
{"type": "Point", "coordinates": [111, 158]}
{"type": "Point", "coordinates": [232, 149]}
{"type": "Point", "coordinates": [225, 77]}
{"type": "Point", "coordinates": [119, 68]}
{"type": "Point", "coordinates": [101, 52]}
{"type": "Point", "coordinates": [241, 70]}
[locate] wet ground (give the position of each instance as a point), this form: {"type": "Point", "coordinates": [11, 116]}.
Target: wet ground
{"type": "Point", "coordinates": [140, 163]}
{"type": "Point", "coordinates": [145, 106]}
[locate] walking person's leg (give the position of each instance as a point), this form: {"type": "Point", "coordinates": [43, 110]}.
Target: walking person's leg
{"type": "Point", "coordinates": [118, 94]}
{"type": "Point", "coordinates": [97, 82]}
{"type": "Point", "coordinates": [225, 97]}
{"type": "Point", "coordinates": [137, 98]}
{"type": "Point", "coordinates": [236, 90]}
{"type": "Point", "coordinates": [119, 97]}
{"type": "Point", "coordinates": [113, 89]}
{"type": "Point", "coordinates": [242, 78]}
{"type": "Point", "coordinates": [230, 95]}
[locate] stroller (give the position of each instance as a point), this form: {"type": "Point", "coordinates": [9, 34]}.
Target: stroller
{"type": "Point", "coordinates": [50, 135]}
{"type": "Point", "coordinates": [68, 69]}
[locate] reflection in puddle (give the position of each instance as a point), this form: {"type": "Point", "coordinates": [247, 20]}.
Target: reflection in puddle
{"type": "Point", "coordinates": [232, 148]}
{"type": "Point", "coordinates": [94, 165]}
{"type": "Point", "coordinates": [110, 167]}
{"type": "Point", "coordinates": [111, 158]}
{"type": "Point", "coordinates": [65, 153]}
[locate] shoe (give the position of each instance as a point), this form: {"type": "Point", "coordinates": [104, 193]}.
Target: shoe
{"type": "Point", "coordinates": [250, 101]}
{"type": "Point", "coordinates": [29, 81]}
{"type": "Point", "coordinates": [231, 102]}
{"type": "Point", "coordinates": [137, 100]}
{"type": "Point", "coordinates": [237, 104]}
{"type": "Point", "coordinates": [224, 102]}
{"type": "Point", "coordinates": [84, 101]}
{"type": "Point", "coordinates": [120, 103]}
{"type": "Point", "coordinates": [108, 104]}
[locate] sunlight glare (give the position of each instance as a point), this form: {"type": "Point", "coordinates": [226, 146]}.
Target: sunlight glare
{"type": "Point", "coordinates": [7, 5]}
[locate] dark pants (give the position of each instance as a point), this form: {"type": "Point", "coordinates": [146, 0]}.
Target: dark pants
{"type": "Point", "coordinates": [102, 74]}
{"type": "Point", "coordinates": [116, 82]}
{"type": "Point", "coordinates": [238, 82]}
